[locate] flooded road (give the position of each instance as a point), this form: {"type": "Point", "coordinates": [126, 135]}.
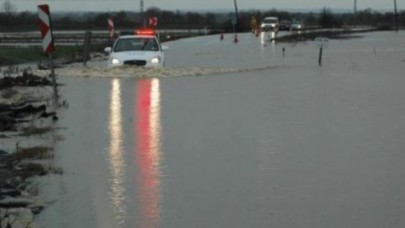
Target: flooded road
{"type": "Point", "coordinates": [294, 145]}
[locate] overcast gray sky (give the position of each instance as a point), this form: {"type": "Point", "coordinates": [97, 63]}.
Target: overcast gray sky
{"type": "Point", "coordinates": [116, 5]}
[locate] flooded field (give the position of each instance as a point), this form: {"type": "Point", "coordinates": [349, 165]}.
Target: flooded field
{"type": "Point", "coordinates": [235, 135]}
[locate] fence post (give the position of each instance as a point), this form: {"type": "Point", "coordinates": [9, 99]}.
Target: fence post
{"type": "Point", "coordinates": [320, 55]}
{"type": "Point", "coordinates": [322, 42]}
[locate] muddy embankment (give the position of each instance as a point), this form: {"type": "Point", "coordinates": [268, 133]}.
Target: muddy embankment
{"type": "Point", "coordinates": [27, 136]}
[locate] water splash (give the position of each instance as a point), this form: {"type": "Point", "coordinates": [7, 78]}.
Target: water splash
{"type": "Point", "coordinates": [141, 72]}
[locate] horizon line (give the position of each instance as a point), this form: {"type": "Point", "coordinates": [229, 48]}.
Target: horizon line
{"type": "Point", "coordinates": [294, 10]}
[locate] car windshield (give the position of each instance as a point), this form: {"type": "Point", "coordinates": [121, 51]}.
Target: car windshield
{"type": "Point", "coordinates": [270, 21]}
{"type": "Point", "coordinates": [136, 44]}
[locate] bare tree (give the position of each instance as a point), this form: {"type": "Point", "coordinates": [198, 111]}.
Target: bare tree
{"type": "Point", "coordinates": [8, 8]}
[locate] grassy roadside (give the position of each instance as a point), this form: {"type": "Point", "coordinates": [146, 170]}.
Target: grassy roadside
{"type": "Point", "coordinates": [18, 55]}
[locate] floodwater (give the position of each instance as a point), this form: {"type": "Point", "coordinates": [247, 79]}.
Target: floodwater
{"type": "Point", "coordinates": [278, 142]}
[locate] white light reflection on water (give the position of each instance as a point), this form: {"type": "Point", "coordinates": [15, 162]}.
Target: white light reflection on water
{"type": "Point", "coordinates": [117, 165]}
{"type": "Point", "coordinates": [268, 37]}
{"type": "Point", "coordinates": [147, 153]}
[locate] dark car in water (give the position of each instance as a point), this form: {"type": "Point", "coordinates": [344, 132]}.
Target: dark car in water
{"type": "Point", "coordinates": [285, 25]}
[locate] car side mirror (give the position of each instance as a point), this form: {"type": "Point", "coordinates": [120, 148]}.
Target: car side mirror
{"type": "Point", "coordinates": [107, 50]}
{"type": "Point", "coordinates": [165, 48]}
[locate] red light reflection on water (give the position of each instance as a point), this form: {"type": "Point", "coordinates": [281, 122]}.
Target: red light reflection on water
{"type": "Point", "coordinates": [147, 150]}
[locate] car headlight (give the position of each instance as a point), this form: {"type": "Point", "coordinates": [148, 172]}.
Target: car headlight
{"type": "Point", "coordinates": [115, 61]}
{"type": "Point", "coordinates": [155, 60]}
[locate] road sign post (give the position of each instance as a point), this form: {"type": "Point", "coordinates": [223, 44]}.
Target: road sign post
{"type": "Point", "coordinates": [111, 30]}
{"type": "Point", "coordinates": [47, 41]}
{"type": "Point", "coordinates": [153, 21]}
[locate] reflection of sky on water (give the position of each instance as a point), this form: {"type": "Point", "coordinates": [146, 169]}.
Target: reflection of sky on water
{"type": "Point", "coordinates": [147, 151]}
{"type": "Point", "coordinates": [117, 164]}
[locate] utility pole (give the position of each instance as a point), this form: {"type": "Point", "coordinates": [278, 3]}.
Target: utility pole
{"type": "Point", "coordinates": [354, 12]}
{"type": "Point", "coordinates": [396, 15]}
{"type": "Point", "coordinates": [142, 15]}
{"type": "Point", "coordinates": [355, 7]}
{"type": "Point", "coordinates": [236, 15]}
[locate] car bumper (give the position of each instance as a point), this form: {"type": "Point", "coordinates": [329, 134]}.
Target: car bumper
{"type": "Point", "coordinates": [137, 63]}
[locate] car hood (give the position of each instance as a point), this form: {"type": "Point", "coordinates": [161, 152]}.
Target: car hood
{"type": "Point", "coordinates": [135, 55]}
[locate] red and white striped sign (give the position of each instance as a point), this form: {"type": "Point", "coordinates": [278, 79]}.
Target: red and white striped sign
{"type": "Point", "coordinates": [153, 21]}
{"type": "Point", "coordinates": [111, 28]}
{"type": "Point", "coordinates": [46, 30]}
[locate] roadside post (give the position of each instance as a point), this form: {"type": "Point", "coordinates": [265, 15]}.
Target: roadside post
{"type": "Point", "coordinates": [87, 44]}
{"type": "Point", "coordinates": [321, 43]}
{"type": "Point", "coordinates": [234, 21]}
{"type": "Point", "coordinates": [320, 55]}
{"type": "Point", "coordinates": [153, 22]}
{"type": "Point", "coordinates": [47, 41]}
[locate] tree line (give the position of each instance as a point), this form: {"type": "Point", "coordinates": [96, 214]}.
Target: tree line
{"type": "Point", "coordinates": [11, 19]}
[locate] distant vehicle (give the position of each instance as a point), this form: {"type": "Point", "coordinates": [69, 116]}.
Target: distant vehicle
{"type": "Point", "coordinates": [139, 49]}
{"type": "Point", "coordinates": [285, 25]}
{"type": "Point", "coordinates": [270, 24]}
{"type": "Point", "coordinates": [297, 26]}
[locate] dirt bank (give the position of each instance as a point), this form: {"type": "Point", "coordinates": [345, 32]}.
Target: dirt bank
{"type": "Point", "coordinates": [26, 112]}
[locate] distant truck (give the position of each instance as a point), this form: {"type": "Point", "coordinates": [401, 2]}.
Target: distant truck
{"type": "Point", "coordinates": [270, 24]}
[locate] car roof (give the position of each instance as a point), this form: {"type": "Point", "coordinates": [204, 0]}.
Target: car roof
{"type": "Point", "coordinates": [136, 36]}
